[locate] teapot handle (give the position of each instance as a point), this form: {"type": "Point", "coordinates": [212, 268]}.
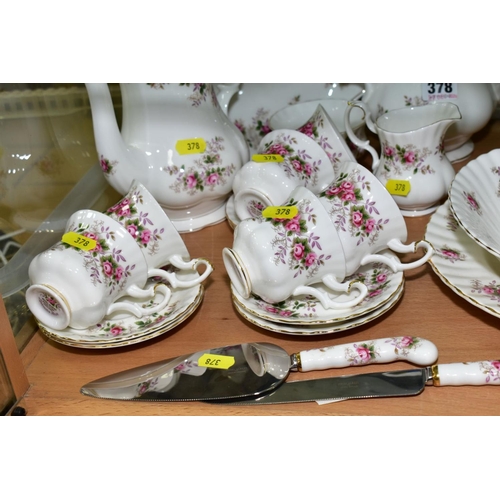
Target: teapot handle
{"type": "Point", "coordinates": [352, 136]}
{"type": "Point", "coordinates": [225, 92]}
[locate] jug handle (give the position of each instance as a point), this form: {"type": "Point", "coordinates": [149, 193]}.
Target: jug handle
{"type": "Point", "coordinates": [225, 92]}
{"type": "Point", "coordinates": [354, 138]}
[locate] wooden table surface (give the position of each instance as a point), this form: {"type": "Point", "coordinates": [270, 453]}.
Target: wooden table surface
{"type": "Point", "coordinates": [428, 308]}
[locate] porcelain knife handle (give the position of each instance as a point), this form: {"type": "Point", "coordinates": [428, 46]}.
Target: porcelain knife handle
{"type": "Point", "coordinates": [413, 349]}
{"type": "Point", "coordinates": [473, 373]}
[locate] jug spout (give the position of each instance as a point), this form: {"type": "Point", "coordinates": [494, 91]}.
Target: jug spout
{"type": "Point", "coordinates": [111, 148]}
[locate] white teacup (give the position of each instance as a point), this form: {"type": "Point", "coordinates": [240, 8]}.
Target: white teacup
{"type": "Point", "coordinates": [260, 185]}
{"type": "Point", "coordinates": [143, 217]}
{"type": "Point", "coordinates": [368, 220]}
{"type": "Point", "coordinates": [75, 287]}
{"type": "Point", "coordinates": [278, 258]}
{"type": "Point", "coordinates": [323, 121]}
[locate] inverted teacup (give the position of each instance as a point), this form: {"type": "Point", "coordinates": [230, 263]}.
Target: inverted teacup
{"type": "Point", "coordinates": [160, 242]}
{"type": "Point", "coordinates": [78, 281]}
{"type": "Point", "coordinates": [276, 258]}
{"type": "Point", "coordinates": [368, 220]}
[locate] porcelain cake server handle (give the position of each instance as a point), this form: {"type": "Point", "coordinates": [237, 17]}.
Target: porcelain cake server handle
{"type": "Point", "coordinates": [415, 350]}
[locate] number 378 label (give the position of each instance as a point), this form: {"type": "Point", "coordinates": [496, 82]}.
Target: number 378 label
{"type": "Point", "coordinates": [191, 146]}
{"type": "Point", "coordinates": [432, 92]}
{"type": "Point", "coordinates": [398, 187]}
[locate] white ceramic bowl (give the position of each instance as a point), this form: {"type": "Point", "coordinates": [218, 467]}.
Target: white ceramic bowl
{"type": "Point", "coordinates": [475, 200]}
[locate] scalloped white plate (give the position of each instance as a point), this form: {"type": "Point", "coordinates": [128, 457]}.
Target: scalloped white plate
{"type": "Point", "coordinates": [469, 270]}
{"type": "Point", "coordinates": [475, 200]}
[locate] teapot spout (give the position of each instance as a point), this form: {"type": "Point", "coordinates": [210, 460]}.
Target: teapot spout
{"type": "Point", "coordinates": [111, 148]}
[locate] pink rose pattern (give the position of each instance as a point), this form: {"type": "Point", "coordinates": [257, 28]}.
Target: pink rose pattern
{"type": "Point", "coordinates": [377, 280]}
{"type": "Point", "coordinates": [49, 304]}
{"type": "Point", "coordinates": [496, 171]}
{"type": "Point", "coordinates": [206, 173]}
{"type": "Point", "coordinates": [470, 198]}
{"type": "Point", "coordinates": [491, 369]}
{"type": "Point", "coordinates": [295, 244]}
{"type": "Point", "coordinates": [297, 163]}
{"type": "Point", "coordinates": [129, 213]}
{"type": "Point", "coordinates": [350, 211]}
{"type": "Point", "coordinates": [403, 345]}
{"type": "Point", "coordinates": [107, 166]}
{"type": "Point", "coordinates": [104, 265]}
{"type": "Point", "coordinates": [199, 94]}
{"type": "Point", "coordinates": [408, 158]}
{"type": "Point", "coordinates": [450, 254]}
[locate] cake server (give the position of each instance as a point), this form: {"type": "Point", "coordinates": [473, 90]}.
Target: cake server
{"type": "Point", "coordinates": [248, 369]}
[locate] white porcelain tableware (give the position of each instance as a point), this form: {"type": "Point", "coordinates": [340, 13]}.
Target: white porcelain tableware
{"type": "Point", "coordinates": [382, 285]}
{"type": "Point", "coordinates": [176, 140]}
{"type": "Point", "coordinates": [125, 329]}
{"type": "Point", "coordinates": [368, 220]}
{"type": "Point", "coordinates": [412, 165]}
{"type": "Point", "coordinates": [323, 121]}
{"type": "Point", "coordinates": [322, 329]}
{"type": "Point", "coordinates": [75, 286]}
{"type": "Point", "coordinates": [276, 258]}
{"type": "Point", "coordinates": [141, 215]}
{"type": "Point", "coordinates": [252, 106]}
{"type": "Point", "coordinates": [464, 266]}
{"type": "Point", "coordinates": [476, 102]}
{"type": "Point", "coordinates": [475, 200]}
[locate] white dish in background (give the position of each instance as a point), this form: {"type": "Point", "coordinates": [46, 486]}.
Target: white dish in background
{"type": "Point", "coordinates": [320, 329]}
{"type": "Point", "coordinates": [475, 200]}
{"type": "Point", "coordinates": [383, 284]}
{"type": "Point", "coordinates": [251, 108]}
{"type": "Point", "coordinates": [464, 266]}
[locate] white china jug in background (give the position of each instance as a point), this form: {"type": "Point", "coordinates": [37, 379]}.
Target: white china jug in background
{"type": "Point", "coordinates": [176, 140]}
{"type": "Point", "coordinates": [476, 101]}
{"type": "Point", "coordinates": [413, 166]}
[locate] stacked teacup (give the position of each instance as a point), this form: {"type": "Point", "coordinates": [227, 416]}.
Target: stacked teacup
{"type": "Point", "coordinates": [331, 248]}
{"type": "Point", "coordinates": [129, 260]}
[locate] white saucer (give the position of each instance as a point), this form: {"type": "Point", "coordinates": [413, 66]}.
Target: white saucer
{"type": "Point", "coordinates": [464, 266]}
{"type": "Point", "coordinates": [383, 284]}
{"type": "Point", "coordinates": [320, 329]}
{"type": "Point", "coordinates": [198, 223]}
{"type": "Point", "coordinates": [460, 153]}
{"type": "Point", "coordinates": [125, 329]}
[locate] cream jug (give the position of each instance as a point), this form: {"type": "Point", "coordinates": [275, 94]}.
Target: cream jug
{"type": "Point", "coordinates": [476, 101]}
{"type": "Point", "coordinates": [176, 140]}
{"type": "Point", "coordinates": [413, 166]}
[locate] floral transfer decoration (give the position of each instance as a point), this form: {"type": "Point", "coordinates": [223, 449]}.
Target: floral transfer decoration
{"type": "Point", "coordinates": [311, 130]}
{"type": "Point", "coordinates": [104, 265]}
{"type": "Point", "coordinates": [450, 254]}
{"type": "Point", "coordinates": [491, 369]}
{"type": "Point", "coordinates": [492, 289]}
{"type": "Point", "coordinates": [295, 243]}
{"type": "Point", "coordinates": [377, 280]}
{"type": "Point", "coordinates": [407, 158]}
{"type": "Point", "coordinates": [199, 94]}
{"type": "Point", "coordinates": [348, 209]}
{"type": "Point", "coordinates": [451, 222]}
{"type": "Point", "coordinates": [496, 171]}
{"type": "Point", "coordinates": [207, 173]}
{"type": "Point", "coordinates": [470, 198]}
{"type": "Point", "coordinates": [360, 354]}
{"type": "Point", "coordinates": [403, 345]}
{"type": "Point", "coordinates": [129, 213]}
{"type": "Point", "coordinates": [107, 166]}
{"type": "Point", "coordinates": [49, 304]}
{"type": "Point", "coordinates": [297, 162]}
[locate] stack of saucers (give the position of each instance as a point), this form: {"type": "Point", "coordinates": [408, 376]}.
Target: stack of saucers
{"type": "Point", "coordinates": [305, 315]}
{"type": "Point", "coordinates": [465, 234]}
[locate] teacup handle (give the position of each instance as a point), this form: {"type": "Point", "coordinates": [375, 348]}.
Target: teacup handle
{"type": "Point", "coordinates": [180, 263]}
{"type": "Point", "coordinates": [397, 246]}
{"type": "Point", "coordinates": [354, 138]}
{"type": "Point", "coordinates": [141, 293]}
{"type": "Point", "coordinates": [331, 282]}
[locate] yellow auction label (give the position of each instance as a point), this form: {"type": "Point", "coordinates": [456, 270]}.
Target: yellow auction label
{"type": "Point", "coordinates": [398, 188]}
{"type": "Point", "coordinates": [191, 146]}
{"type": "Point", "coordinates": [79, 241]}
{"type": "Point", "coordinates": [267, 158]}
{"type": "Point", "coordinates": [280, 212]}
{"type": "Point", "coordinates": [216, 361]}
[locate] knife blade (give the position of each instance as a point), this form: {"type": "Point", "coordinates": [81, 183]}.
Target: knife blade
{"type": "Point", "coordinates": [248, 369]}
{"type": "Point", "coordinates": [377, 385]}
